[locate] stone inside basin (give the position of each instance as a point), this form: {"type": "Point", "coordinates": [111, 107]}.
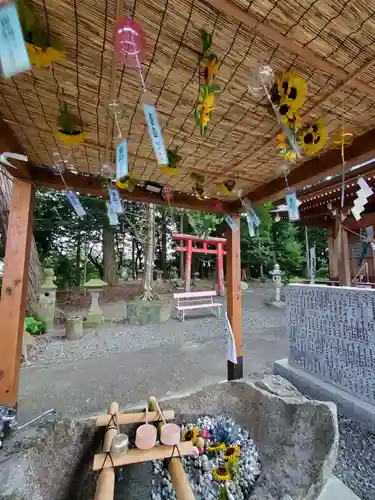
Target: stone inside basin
{"type": "Point", "coordinates": [297, 439]}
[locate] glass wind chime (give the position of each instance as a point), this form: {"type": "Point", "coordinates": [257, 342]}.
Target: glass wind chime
{"type": "Point", "coordinates": [129, 41]}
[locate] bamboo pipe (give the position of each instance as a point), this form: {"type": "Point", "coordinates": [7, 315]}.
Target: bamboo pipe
{"type": "Point", "coordinates": [179, 480]}
{"type": "Point", "coordinates": [105, 488]}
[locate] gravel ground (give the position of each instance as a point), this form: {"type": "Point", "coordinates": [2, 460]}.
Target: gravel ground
{"type": "Point", "coordinates": [112, 338]}
{"type": "Point", "coordinates": [356, 461]}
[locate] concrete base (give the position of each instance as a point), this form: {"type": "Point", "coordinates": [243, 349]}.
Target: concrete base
{"type": "Point", "coordinates": [93, 319]}
{"type": "Point", "coordinates": [318, 389]}
{"type": "Point", "coordinates": [336, 490]}
{"type": "Point", "coordinates": [144, 312]}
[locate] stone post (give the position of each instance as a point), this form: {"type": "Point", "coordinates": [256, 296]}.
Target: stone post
{"type": "Point", "coordinates": [95, 314]}
{"type": "Point", "coordinates": [276, 274]}
{"type": "Point", "coordinates": [47, 299]}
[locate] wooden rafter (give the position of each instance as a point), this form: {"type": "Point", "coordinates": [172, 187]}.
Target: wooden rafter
{"type": "Point", "coordinates": [85, 184]}
{"type": "Point", "coordinates": [361, 150]}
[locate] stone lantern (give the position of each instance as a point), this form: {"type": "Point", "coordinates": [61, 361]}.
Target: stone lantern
{"type": "Point", "coordinates": [277, 274]}
{"type": "Point", "coordinates": [95, 314]}
{"type": "Point", "coordinates": [47, 299]}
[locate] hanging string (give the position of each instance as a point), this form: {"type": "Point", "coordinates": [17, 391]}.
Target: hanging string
{"type": "Point", "coordinates": [118, 125]}
{"type": "Point", "coordinates": [286, 179]}
{"type": "Point", "coordinates": [139, 65]}
{"type": "Point", "coordinates": [62, 177]}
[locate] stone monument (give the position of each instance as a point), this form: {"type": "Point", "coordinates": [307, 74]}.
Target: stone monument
{"type": "Point", "coordinates": [95, 314]}
{"type": "Point", "coordinates": [47, 299]}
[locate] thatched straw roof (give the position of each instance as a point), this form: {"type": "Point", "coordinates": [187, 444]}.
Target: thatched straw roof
{"type": "Point", "coordinates": [335, 40]}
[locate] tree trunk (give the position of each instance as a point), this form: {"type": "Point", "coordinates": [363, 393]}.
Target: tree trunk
{"type": "Point", "coordinates": [163, 252]}
{"type": "Point", "coordinates": [182, 254]}
{"type": "Point", "coordinates": [109, 257]}
{"type": "Point", "coordinates": [78, 260]}
{"type": "Point", "coordinates": [35, 268]}
{"type": "Point", "coordinates": [149, 255]}
{"type": "Point", "coordinates": [134, 264]}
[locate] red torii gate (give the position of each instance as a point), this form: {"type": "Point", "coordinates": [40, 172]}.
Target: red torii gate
{"type": "Point", "coordinates": [187, 246]}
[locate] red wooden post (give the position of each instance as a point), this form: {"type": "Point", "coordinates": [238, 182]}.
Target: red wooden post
{"type": "Point", "coordinates": [234, 297]}
{"type": "Point", "coordinates": [220, 269]}
{"type": "Point", "coordinates": [189, 253]}
{"type": "Point", "coordinates": [14, 289]}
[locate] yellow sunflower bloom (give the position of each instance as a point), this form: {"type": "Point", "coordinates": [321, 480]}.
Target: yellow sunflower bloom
{"type": "Point", "coordinates": [292, 90]}
{"type": "Point", "coordinates": [190, 435]}
{"type": "Point", "coordinates": [312, 137]}
{"type": "Point", "coordinates": [209, 101]}
{"type": "Point", "coordinates": [41, 58]}
{"type": "Point", "coordinates": [231, 452]}
{"type": "Point", "coordinates": [227, 187]}
{"type": "Point", "coordinates": [221, 474]}
{"type": "Point", "coordinates": [216, 447]}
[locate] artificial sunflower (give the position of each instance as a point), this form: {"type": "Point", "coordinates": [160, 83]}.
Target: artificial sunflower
{"type": "Point", "coordinates": [127, 183]}
{"type": "Point", "coordinates": [227, 188]}
{"type": "Point", "coordinates": [173, 163]}
{"type": "Point", "coordinates": [284, 149]}
{"type": "Point", "coordinates": [69, 130]}
{"type": "Point", "coordinates": [215, 447]}
{"type": "Point", "coordinates": [190, 435]}
{"type": "Point", "coordinates": [231, 452]}
{"type": "Point", "coordinates": [40, 57]}
{"type": "Point", "coordinates": [221, 473]}
{"type": "Point", "coordinates": [312, 137]}
{"type": "Point", "coordinates": [292, 90]}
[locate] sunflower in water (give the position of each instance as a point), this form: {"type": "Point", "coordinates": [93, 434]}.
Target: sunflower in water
{"type": "Point", "coordinates": [231, 452]}
{"type": "Point", "coordinates": [220, 473]}
{"type": "Point", "coordinates": [292, 90]}
{"type": "Point", "coordinates": [215, 447]}
{"type": "Point", "coordinates": [190, 435]}
{"type": "Point", "coordinates": [312, 137]}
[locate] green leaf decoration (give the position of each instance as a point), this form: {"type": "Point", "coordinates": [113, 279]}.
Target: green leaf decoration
{"type": "Point", "coordinates": [198, 113]}
{"type": "Point", "coordinates": [206, 41]}
{"type": "Point", "coordinates": [214, 88]}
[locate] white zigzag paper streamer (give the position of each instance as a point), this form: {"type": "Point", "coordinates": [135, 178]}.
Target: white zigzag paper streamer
{"type": "Point", "coordinates": [362, 194]}
{"type": "Point", "coordinates": [15, 156]}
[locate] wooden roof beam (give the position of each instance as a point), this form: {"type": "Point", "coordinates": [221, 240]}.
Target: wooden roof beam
{"type": "Point", "coordinates": [361, 150]}
{"type": "Point", "coordinates": [85, 184]}
{"type": "Point", "coordinates": [287, 43]}
{"type": "Point", "coordinates": [9, 144]}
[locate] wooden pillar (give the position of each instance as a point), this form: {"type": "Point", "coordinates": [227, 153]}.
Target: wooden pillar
{"type": "Point", "coordinates": [332, 257]}
{"type": "Point", "coordinates": [14, 288]}
{"type": "Point", "coordinates": [189, 253]}
{"type": "Point", "coordinates": [344, 263]}
{"type": "Point", "coordinates": [220, 269]}
{"type": "Point", "coordinates": [234, 297]}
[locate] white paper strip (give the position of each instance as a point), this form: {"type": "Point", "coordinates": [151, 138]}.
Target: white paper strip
{"type": "Point", "coordinates": [154, 131]}
{"type": "Point", "coordinates": [231, 345]}
{"type": "Point", "coordinates": [14, 58]}
{"type": "Point", "coordinates": [250, 225]}
{"type": "Point", "coordinates": [291, 202]}
{"type": "Point", "coordinates": [76, 204]}
{"type": "Point", "coordinates": [231, 223]}
{"type": "Point", "coordinates": [121, 159]}
{"type": "Point", "coordinates": [114, 198]}
{"type": "Point", "coordinates": [366, 190]}
{"type": "Point", "coordinates": [112, 216]}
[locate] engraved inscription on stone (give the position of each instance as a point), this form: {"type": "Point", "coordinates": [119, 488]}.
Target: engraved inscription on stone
{"type": "Point", "coordinates": [332, 335]}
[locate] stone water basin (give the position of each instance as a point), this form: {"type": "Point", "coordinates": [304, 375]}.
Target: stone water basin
{"type": "Point", "coordinates": [297, 440]}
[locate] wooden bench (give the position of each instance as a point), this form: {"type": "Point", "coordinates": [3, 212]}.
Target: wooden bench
{"type": "Point", "coordinates": [189, 301]}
